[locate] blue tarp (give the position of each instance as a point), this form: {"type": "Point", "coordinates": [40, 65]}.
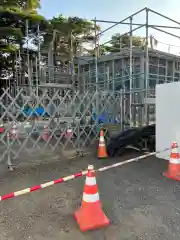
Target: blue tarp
{"type": "Point", "coordinates": [39, 111]}
{"type": "Point", "coordinates": [103, 118]}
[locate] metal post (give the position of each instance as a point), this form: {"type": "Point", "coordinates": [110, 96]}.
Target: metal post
{"type": "Point", "coordinates": [120, 44]}
{"type": "Point", "coordinates": [79, 150]}
{"type": "Point", "coordinates": [20, 68]}
{"type": "Point", "coordinates": [9, 163]}
{"type": "Point", "coordinates": [39, 45]}
{"type": "Point", "coordinates": [136, 13]}
{"type": "Point", "coordinates": [113, 76]}
{"type": "Point", "coordinates": [169, 47]}
{"type": "Point", "coordinates": [96, 69]}
{"type": "Point", "coordinates": [89, 77]}
{"type": "Point", "coordinates": [28, 62]}
{"type": "Point", "coordinates": [38, 62]}
{"type": "Point", "coordinates": [130, 74]}
{"type": "Point", "coordinates": [79, 77]}
{"type": "Point", "coordinates": [108, 78]}
{"type": "Point", "coordinates": [137, 24]}
{"type": "Point", "coordinates": [72, 39]}
{"type": "Point", "coordinates": [146, 69]}
{"type": "Point", "coordinates": [121, 110]}
{"type": "Point", "coordinates": [124, 109]}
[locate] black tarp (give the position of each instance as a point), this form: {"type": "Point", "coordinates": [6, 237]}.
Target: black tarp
{"type": "Point", "coordinates": [134, 137]}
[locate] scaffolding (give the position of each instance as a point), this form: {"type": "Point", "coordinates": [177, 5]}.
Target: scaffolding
{"type": "Point", "coordinates": [146, 50]}
{"type": "Point", "coordinates": [48, 104]}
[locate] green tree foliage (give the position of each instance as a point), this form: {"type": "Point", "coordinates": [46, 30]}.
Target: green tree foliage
{"type": "Point", "coordinates": [13, 18]}
{"type": "Point", "coordinates": [28, 5]}
{"type": "Point", "coordinates": [68, 36]}
{"type": "Point", "coordinates": [119, 42]}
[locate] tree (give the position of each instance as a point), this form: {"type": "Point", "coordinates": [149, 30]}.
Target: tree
{"type": "Point", "coordinates": [13, 19]}
{"type": "Point", "coordinates": [68, 36]}
{"type": "Point", "coordinates": [119, 42]}
{"type": "Point", "coordinates": [64, 37]}
{"type": "Point", "coordinates": [29, 5]}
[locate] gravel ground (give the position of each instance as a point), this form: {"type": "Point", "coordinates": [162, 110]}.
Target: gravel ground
{"type": "Point", "coordinates": [138, 200]}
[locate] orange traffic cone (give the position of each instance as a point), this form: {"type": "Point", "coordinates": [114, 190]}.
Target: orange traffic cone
{"type": "Point", "coordinates": [174, 164]}
{"type": "Point", "coordinates": [102, 153]}
{"type": "Point", "coordinates": [90, 215]}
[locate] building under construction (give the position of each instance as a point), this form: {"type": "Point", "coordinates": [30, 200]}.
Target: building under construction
{"type": "Point", "coordinates": [114, 70]}
{"type": "Point", "coordinates": [113, 89]}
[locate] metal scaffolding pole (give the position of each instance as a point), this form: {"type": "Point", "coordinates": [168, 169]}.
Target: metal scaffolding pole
{"type": "Point", "coordinates": [146, 84]}
{"type": "Point", "coordinates": [134, 14]}
{"type": "Point", "coordinates": [96, 69]}
{"type": "Point", "coordinates": [146, 68]}
{"type": "Point", "coordinates": [163, 16]}
{"type": "Point", "coordinates": [171, 34]}
{"type": "Point", "coordinates": [130, 73]}
{"type": "Point", "coordinates": [38, 62]}
{"type": "Point", "coordinates": [138, 24]}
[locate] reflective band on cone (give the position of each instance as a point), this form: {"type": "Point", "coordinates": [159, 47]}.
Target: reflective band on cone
{"type": "Point", "coordinates": [90, 181]}
{"type": "Point", "coordinates": [90, 215]}
{"type": "Point", "coordinates": [101, 139]}
{"type": "Point", "coordinates": [91, 198]}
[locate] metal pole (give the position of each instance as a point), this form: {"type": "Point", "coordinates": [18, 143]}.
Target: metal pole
{"type": "Point", "coordinates": [96, 69]}
{"type": "Point", "coordinates": [108, 79]}
{"type": "Point", "coordinates": [130, 74]}
{"type": "Point", "coordinates": [137, 24]}
{"type": "Point", "coordinates": [120, 44]}
{"type": "Point", "coordinates": [113, 76]}
{"type": "Point", "coordinates": [79, 77]}
{"type": "Point", "coordinates": [124, 109]}
{"type": "Point", "coordinates": [37, 75]}
{"type": "Point", "coordinates": [9, 163]}
{"type": "Point", "coordinates": [146, 69]}
{"type": "Point", "coordinates": [20, 68]}
{"type": "Point", "coordinates": [71, 53]}
{"type": "Point", "coordinates": [121, 21]}
{"type": "Point", "coordinates": [39, 61]}
{"type": "Point", "coordinates": [161, 15]}
{"type": "Point", "coordinates": [27, 42]}
{"type": "Point", "coordinates": [169, 47]}
{"type": "Point", "coordinates": [121, 109]}
{"type": "Point", "coordinates": [16, 72]}
{"type": "Point", "coordinates": [171, 34]}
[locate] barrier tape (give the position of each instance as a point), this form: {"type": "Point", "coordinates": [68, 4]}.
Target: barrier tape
{"type": "Point", "coordinates": [125, 162]}
{"type": "Point", "coordinates": [73, 176]}
{"type": "Point", "coordinates": [136, 159]}
{"type": "Point", "coordinates": [44, 185]}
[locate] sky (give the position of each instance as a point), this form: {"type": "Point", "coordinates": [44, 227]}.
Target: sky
{"type": "Point", "coordinates": [117, 10]}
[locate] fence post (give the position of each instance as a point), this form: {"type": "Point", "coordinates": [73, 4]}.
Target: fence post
{"type": "Point", "coordinates": [79, 150]}
{"type": "Point", "coordinates": [9, 163]}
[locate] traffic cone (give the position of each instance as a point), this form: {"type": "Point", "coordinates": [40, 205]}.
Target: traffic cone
{"type": "Point", "coordinates": [90, 215]}
{"type": "Point", "coordinates": [45, 136]}
{"type": "Point", "coordinates": [174, 164]}
{"type": "Point", "coordinates": [102, 153]}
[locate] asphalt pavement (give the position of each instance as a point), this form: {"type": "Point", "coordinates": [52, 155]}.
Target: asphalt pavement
{"type": "Point", "coordinates": [138, 200]}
